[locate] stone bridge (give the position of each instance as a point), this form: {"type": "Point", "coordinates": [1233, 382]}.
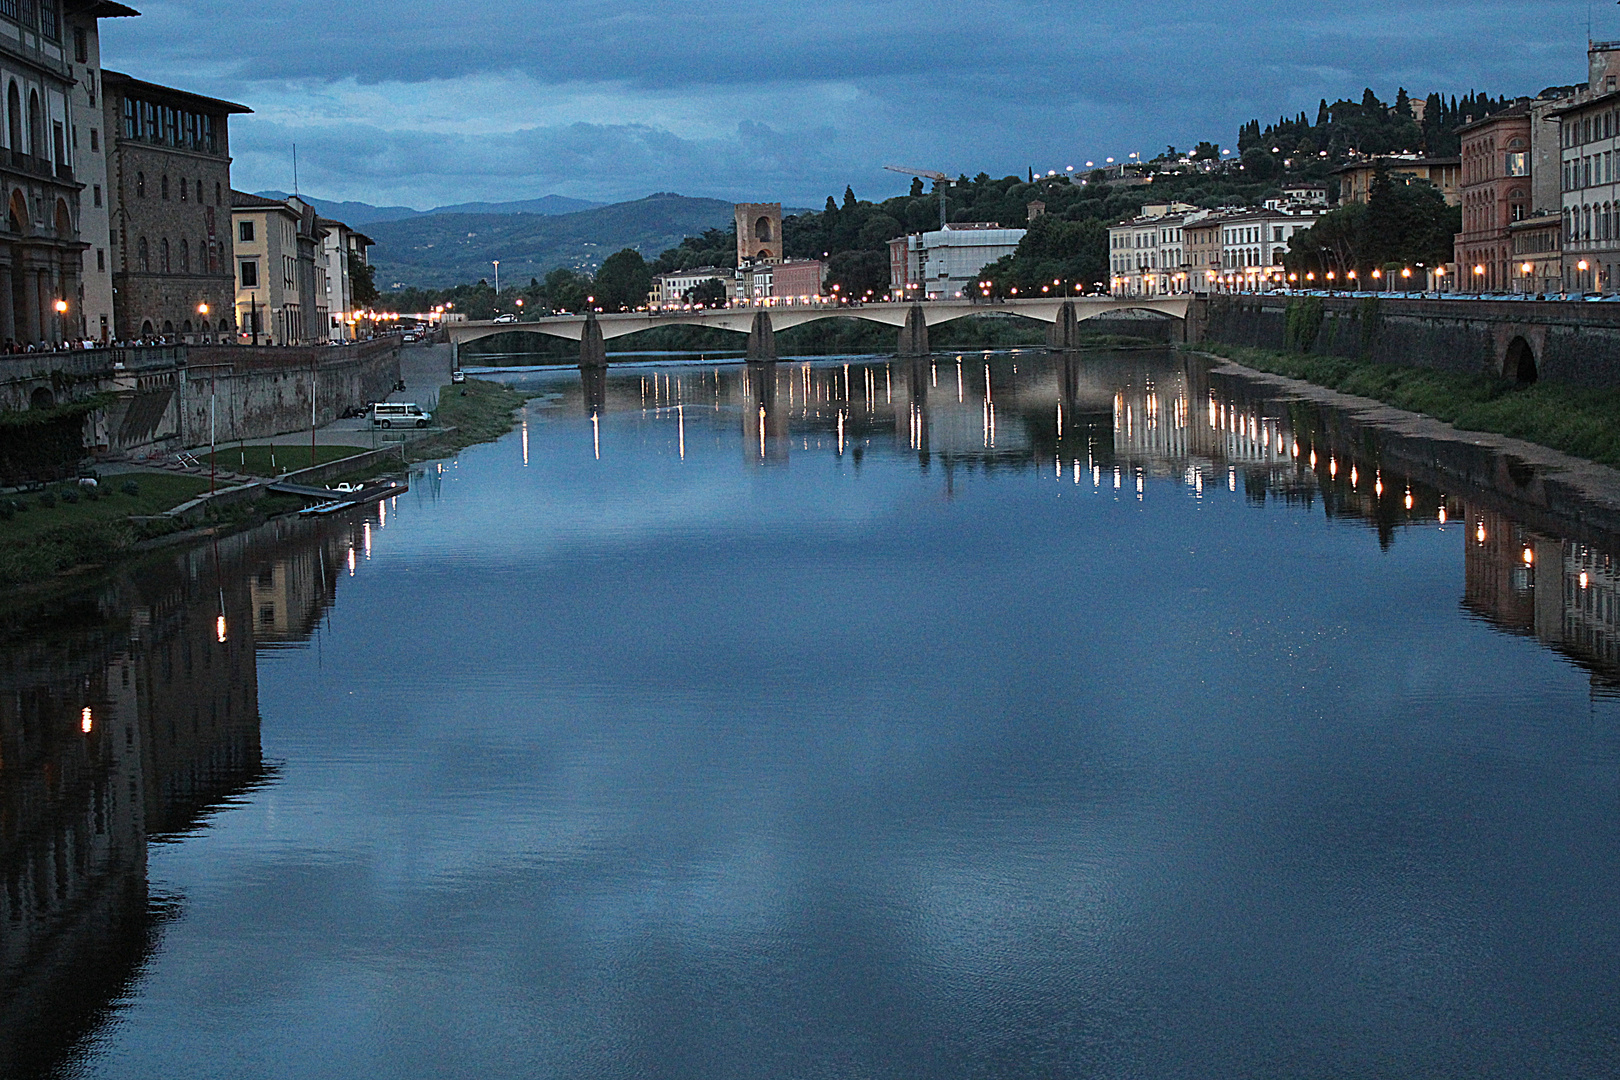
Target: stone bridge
{"type": "Point", "coordinates": [592, 331]}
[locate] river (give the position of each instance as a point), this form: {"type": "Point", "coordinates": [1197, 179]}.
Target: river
{"type": "Point", "coordinates": [1001, 715]}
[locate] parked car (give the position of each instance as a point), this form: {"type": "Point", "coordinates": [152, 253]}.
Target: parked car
{"type": "Point", "coordinates": [458, 376]}
{"type": "Point", "coordinates": [391, 414]}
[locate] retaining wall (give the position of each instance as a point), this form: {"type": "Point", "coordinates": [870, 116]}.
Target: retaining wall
{"type": "Point", "coordinates": [1568, 341]}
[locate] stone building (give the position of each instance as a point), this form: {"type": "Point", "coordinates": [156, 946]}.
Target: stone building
{"type": "Point", "coordinates": [1495, 193]}
{"type": "Point", "coordinates": [169, 174]}
{"type": "Point", "coordinates": [41, 253]}
{"type": "Point", "coordinates": [280, 270]}
{"type": "Point", "coordinates": [944, 264]}
{"type": "Point", "coordinates": [1589, 175]}
{"type": "Point", "coordinates": [759, 232]}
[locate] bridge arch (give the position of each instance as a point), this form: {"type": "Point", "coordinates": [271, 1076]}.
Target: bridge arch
{"type": "Point", "coordinates": [1519, 362]}
{"type": "Point", "coordinates": [41, 398]}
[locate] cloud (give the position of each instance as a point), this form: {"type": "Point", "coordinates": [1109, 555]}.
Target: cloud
{"type": "Point", "coordinates": [721, 101]}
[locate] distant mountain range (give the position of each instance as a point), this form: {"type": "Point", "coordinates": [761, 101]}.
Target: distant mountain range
{"type": "Point", "coordinates": [448, 247]}
{"type": "Point", "coordinates": [360, 214]}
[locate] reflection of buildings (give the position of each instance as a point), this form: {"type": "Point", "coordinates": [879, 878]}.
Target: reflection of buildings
{"type": "Point", "coordinates": [1558, 591]}
{"type": "Point", "coordinates": [128, 715]}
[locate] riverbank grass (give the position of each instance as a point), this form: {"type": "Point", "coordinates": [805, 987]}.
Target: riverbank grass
{"type": "Point", "coordinates": [274, 460]}
{"type": "Point", "coordinates": [43, 533]}
{"type": "Point", "coordinates": [1576, 420]}
{"type": "Point", "coordinates": [479, 411]}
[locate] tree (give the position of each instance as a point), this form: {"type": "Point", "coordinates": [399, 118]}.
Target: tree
{"type": "Point", "coordinates": [710, 293]}
{"type": "Point", "coordinates": [623, 281]}
{"type": "Point", "coordinates": [1260, 163]}
{"type": "Point", "coordinates": [362, 282]}
{"type": "Point", "coordinates": [857, 273]}
{"type": "Point", "coordinates": [1206, 151]}
{"type": "Point", "coordinates": [916, 186]}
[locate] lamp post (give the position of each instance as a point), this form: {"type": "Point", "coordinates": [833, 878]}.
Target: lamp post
{"type": "Point", "coordinates": [497, 263]}
{"type": "Point", "coordinates": [1528, 269]}
{"type": "Point", "coordinates": [1580, 281]}
{"type": "Point", "coordinates": [61, 311]}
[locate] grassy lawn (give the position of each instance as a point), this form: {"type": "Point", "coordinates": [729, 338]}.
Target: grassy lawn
{"type": "Point", "coordinates": [1576, 420]}
{"type": "Point", "coordinates": [42, 533]}
{"type": "Point", "coordinates": [275, 460]}
{"type": "Point", "coordinates": [482, 414]}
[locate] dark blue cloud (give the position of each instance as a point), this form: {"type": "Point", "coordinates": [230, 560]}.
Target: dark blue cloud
{"type": "Point", "coordinates": [712, 99]}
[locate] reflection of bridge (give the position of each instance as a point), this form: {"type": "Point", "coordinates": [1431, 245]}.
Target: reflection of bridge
{"type": "Point", "coordinates": [760, 324]}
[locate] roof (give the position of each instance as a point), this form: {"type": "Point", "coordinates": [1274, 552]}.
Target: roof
{"type": "Point", "coordinates": [334, 223]}
{"type": "Point", "coordinates": [1518, 111]}
{"type": "Point", "coordinates": [106, 9]}
{"type": "Point", "coordinates": [243, 200]}
{"type": "Point", "coordinates": [1600, 99]}
{"type": "Point", "coordinates": [119, 79]}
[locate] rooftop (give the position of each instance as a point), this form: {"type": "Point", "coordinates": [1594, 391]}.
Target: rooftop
{"type": "Point", "coordinates": [131, 84]}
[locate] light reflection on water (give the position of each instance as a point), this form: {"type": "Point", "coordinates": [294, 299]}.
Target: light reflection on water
{"type": "Point", "coordinates": [1002, 716]}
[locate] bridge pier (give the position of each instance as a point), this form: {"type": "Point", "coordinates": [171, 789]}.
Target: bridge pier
{"type": "Point", "coordinates": [761, 339]}
{"type": "Point", "coordinates": [914, 335]}
{"type": "Point", "coordinates": [1064, 332]}
{"type": "Point", "coordinates": [592, 347]}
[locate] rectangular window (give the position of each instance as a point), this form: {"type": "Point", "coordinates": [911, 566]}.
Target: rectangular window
{"type": "Point", "coordinates": [101, 259]}
{"type": "Point", "coordinates": [208, 135]}
{"type": "Point", "coordinates": [250, 274]}
{"type": "Point", "coordinates": [95, 141]}
{"type": "Point", "coordinates": [244, 232]}
{"type": "Point", "coordinates": [188, 137]}
{"type": "Point", "coordinates": [50, 24]}
{"type": "Point", "coordinates": [1518, 164]}
{"type": "Point", "coordinates": [95, 193]}
{"type": "Point", "coordinates": [149, 122]}
{"type": "Point", "coordinates": [81, 45]}
{"type": "Point", "coordinates": [132, 118]}
{"type": "Point", "coordinates": [8, 8]}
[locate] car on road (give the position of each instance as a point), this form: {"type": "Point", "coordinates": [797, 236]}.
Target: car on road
{"type": "Point", "coordinates": [392, 414]}
{"type": "Point", "coordinates": [412, 339]}
{"type": "Point", "coordinates": [458, 376]}
{"type": "Point", "coordinates": [508, 317]}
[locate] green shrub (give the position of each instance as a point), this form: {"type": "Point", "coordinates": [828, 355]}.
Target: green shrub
{"type": "Point", "coordinates": [130, 487]}
{"type": "Point", "coordinates": [47, 500]}
{"type": "Point", "coordinates": [70, 496]}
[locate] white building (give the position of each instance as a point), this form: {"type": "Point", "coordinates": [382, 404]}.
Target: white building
{"type": "Point", "coordinates": [669, 290]}
{"type": "Point", "coordinates": [944, 264]}
{"type": "Point", "coordinates": [340, 250]}
{"type": "Point", "coordinates": [89, 142]}
{"type": "Point", "coordinates": [1147, 255]}
{"type": "Point", "coordinates": [1254, 242]}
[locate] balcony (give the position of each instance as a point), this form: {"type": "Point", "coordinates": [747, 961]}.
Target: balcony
{"type": "Point", "coordinates": [34, 166]}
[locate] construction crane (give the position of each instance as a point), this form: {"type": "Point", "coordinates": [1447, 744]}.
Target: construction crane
{"type": "Point", "coordinates": [940, 181]}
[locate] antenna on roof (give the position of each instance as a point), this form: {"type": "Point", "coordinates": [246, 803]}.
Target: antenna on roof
{"type": "Point", "coordinates": [295, 170]}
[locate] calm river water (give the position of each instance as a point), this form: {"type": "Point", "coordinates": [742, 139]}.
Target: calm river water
{"type": "Point", "coordinates": [1000, 716]}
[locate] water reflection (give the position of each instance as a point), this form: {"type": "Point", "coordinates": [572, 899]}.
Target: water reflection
{"type": "Point", "coordinates": [1116, 421]}
{"type": "Point", "coordinates": [127, 717]}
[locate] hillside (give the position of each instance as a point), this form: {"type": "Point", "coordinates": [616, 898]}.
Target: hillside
{"type": "Point", "coordinates": [359, 214]}
{"type": "Point", "coordinates": [444, 249]}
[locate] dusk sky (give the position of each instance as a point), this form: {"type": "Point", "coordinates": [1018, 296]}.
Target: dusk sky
{"type": "Point", "coordinates": [433, 103]}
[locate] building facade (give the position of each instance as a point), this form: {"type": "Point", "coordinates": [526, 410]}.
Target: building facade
{"type": "Point", "coordinates": [1147, 255]}
{"type": "Point", "coordinates": [669, 290]}
{"type": "Point", "coordinates": [169, 177]}
{"type": "Point", "coordinates": [945, 264]}
{"type": "Point", "coordinates": [1495, 193]}
{"type": "Point", "coordinates": [280, 273]}
{"type": "Point", "coordinates": [342, 249]}
{"type": "Point", "coordinates": [1356, 179]}
{"type": "Point", "coordinates": [42, 253]}
{"type": "Point", "coordinates": [88, 139]}
{"type": "Point", "coordinates": [1589, 176]}
{"type": "Point", "coordinates": [759, 232]}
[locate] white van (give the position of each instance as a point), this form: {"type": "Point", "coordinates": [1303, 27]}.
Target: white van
{"type": "Point", "coordinates": [389, 414]}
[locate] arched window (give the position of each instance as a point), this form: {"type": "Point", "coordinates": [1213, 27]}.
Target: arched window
{"type": "Point", "coordinates": [140, 185]}
{"type": "Point", "coordinates": [146, 325]}
{"type": "Point", "coordinates": [185, 327]}
{"type": "Point", "coordinates": [165, 185]}
{"type": "Point", "coordinates": [14, 123]}
{"type": "Point", "coordinates": [182, 189]}
{"type": "Point", "coordinates": [143, 255]}
{"type": "Point", "coordinates": [185, 257]}
{"type": "Point", "coordinates": [163, 254]}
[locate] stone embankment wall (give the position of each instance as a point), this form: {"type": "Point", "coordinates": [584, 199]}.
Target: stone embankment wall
{"type": "Point", "coordinates": [242, 392]}
{"type": "Point", "coordinates": [1566, 341]}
